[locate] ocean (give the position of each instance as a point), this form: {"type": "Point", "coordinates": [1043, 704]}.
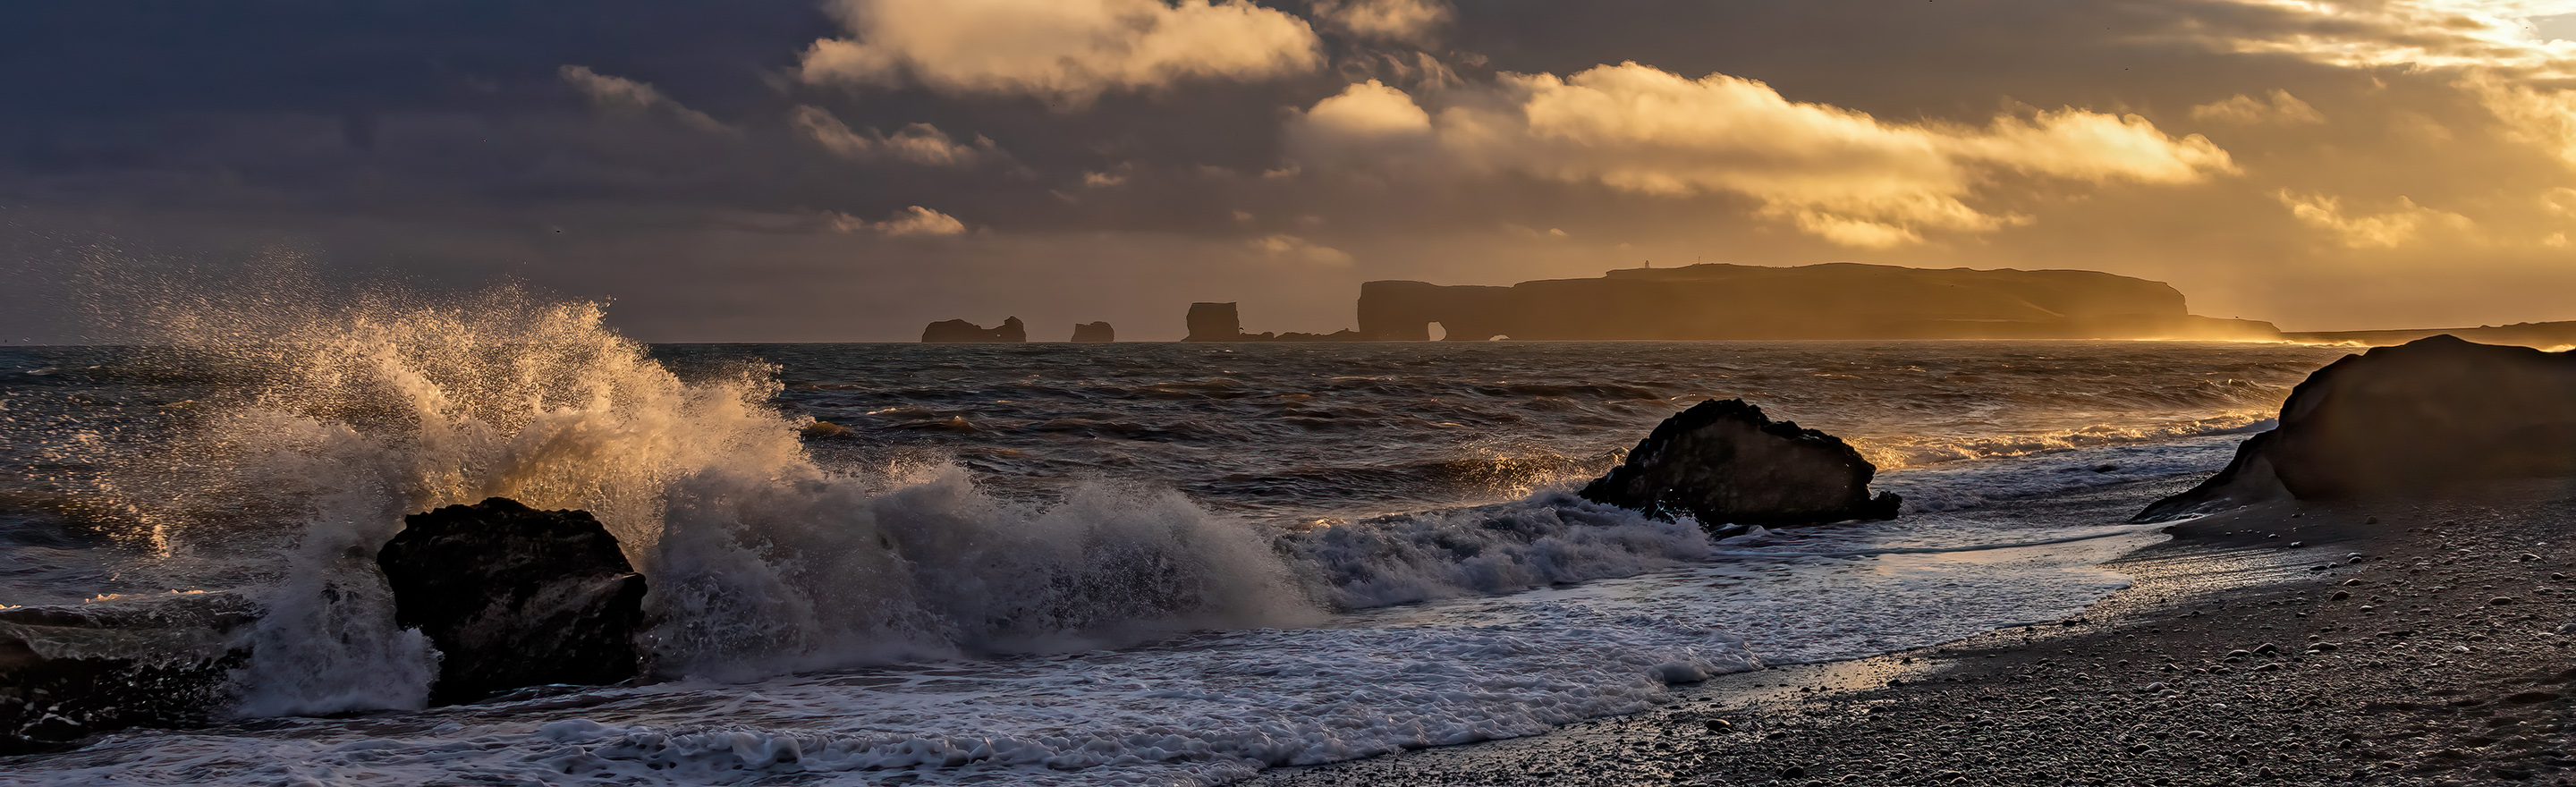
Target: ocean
{"type": "Point", "coordinates": [1050, 564]}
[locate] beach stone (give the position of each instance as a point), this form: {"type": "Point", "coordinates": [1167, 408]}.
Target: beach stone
{"type": "Point", "coordinates": [1723, 462]}
{"type": "Point", "coordinates": [71, 671]}
{"type": "Point", "coordinates": [515, 597]}
{"type": "Point", "coordinates": [2425, 416]}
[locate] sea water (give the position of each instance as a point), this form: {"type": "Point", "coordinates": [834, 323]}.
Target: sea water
{"type": "Point", "coordinates": [1048, 563]}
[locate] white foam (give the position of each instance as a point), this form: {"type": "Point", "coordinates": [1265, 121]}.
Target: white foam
{"type": "Point", "coordinates": [1548, 538]}
{"type": "Point", "coordinates": [1212, 707]}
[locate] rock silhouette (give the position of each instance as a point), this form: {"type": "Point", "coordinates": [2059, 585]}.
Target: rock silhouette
{"type": "Point", "coordinates": [1214, 322]}
{"type": "Point", "coordinates": [1723, 462]}
{"type": "Point", "coordinates": [1011, 330]}
{"type": "Point", "coordinates": [515, 597]}
{"type": "Point", "coordinates": [1094, 333]}
{"type": "Point", "coordinates": [1829, 301]}
{"type": "Point", "coordinates": [2424, 416]}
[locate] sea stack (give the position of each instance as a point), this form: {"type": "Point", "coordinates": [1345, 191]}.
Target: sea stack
{"type": "Point", "coordinates": [2432, 414]}
{"type": "Point", "coordinates": [1094, 333]}
{"type": "Point", "coordinates": [943, 331]}
{"type": "Point", "coordinates": [1214, 322]}
{"type": "Point", "coordinates": [1723, 462]}
{"type": "Point", "coordinates": [515, 597]}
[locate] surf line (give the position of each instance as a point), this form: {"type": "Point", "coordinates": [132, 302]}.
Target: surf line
{"type": "Point", "coordinates": [1943, 550]}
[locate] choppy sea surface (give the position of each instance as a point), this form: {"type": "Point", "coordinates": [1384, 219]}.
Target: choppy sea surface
{"type": "Point", "coordinates": [1050, 564]}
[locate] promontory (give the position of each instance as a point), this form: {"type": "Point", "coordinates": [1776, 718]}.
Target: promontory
{"type": "Point", "coordinates": [1828, 301]}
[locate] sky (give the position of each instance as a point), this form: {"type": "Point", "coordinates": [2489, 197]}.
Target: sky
{"type": "Point", "coordinates": [849, 170]}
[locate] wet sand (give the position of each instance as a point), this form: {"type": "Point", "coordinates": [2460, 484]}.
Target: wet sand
{"type": "Point", "coordinates": [2413, 642]}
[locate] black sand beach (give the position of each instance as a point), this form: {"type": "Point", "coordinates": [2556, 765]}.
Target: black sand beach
{"type": "Point", "coordinates": [2412, 642]}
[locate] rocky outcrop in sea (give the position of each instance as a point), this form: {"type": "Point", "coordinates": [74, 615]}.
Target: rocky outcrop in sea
{"type": "Point", "coordinates": [513, 597]}
{"type": "Point", "coordinates": [1011, 330]}
{"type": "Point", "coordinates": [1724, 462]}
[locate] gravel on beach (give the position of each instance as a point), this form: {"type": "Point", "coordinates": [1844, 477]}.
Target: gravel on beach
{"type": "Point", "coordinates": [2414, 642]}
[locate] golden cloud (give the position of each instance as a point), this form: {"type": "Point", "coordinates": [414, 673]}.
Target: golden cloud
{"type": "Point", "coordinates": [1068, 50]}
{"type": "Point", "coordinates": [2281, 109]}
{"type": "Point", "coordinates": [918, 143]}
{"type": "Point", "coordinates": [1832, 172]}
{"type": "Point", "coordinates": [1395, 20]}
{"type": "Point", "coordinates": [2403, 224]}
{"type": "Point", "coordinates": [914, 221]}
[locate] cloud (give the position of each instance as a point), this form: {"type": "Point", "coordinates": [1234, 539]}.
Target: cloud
{"type": "Point", "coordinates": [2421, 33]}
{"type": "Point", "coordinates": [627, 96]}
{"type": "Point", "coordinates": [2545, 119]}
{"type": "Point", "coordinates": [919, 143]}
{"type": "Point", "coordinates": [2380, 230]}
{"type": "Point", "coordinates": [1067, 50]}
{"type": "Point", "coordinates": [2282, 109]}
{"type": "Point", "coordinates": [914, 221]}
{"type": "Point", "coordinates": [1411, 21]}
{"type": "Point", "coordinates": [1833, 172]}
{"type": "Point", "coordinates": [1295, 249]}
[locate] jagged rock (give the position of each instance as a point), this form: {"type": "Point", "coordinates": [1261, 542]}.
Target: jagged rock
{"type": "Point", "coordinates": [1214, 322]}
{"type": "Point", "coordinates": [1011, 330]}
{"type": "Point", "coordinates": [515, 597]}
{"type": "Point", "coordinates": [2427, 415]}
{"type": "Point", "coordinates": [1722, 462]}
{"type": "Point", "coordinates": [1094, 333]}
{"type": "Point", "coordinates": [75, 670]}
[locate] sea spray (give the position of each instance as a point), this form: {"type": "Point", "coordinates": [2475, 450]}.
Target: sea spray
{"type": "Point", "coordinates": [760, 561]}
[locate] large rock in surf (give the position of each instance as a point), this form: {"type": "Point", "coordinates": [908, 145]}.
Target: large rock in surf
{"type": "Point", "coordinates": [1011, 330]}
{"type": "Point", "coordinates": [515, 597]}
{"type": "Point", "coordinates": [1094, 333]}
{"type": "Point", "coordinates": [2428, 415]}
{"type": "Point", "coordinates": [75, 670]}
{"type": "Point", "coordinates": [1723, 462]}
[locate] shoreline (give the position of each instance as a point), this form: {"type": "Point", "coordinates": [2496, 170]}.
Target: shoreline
{"type": "Point", "coordinates": [2417, 676]}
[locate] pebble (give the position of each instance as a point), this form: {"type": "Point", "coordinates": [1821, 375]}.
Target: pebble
{"type": "Point", "coordinates": [2501, 601]}
{"type": "Point", "coordinates": [2340, 595]}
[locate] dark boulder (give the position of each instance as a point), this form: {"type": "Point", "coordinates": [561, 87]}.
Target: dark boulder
{"type": "Point", "coordinates": [2425, 416]}
{"type": "Point", "coordinates": [515, 597]}
{"type": "Point", "coordinates": [71, 671]}
{"type": "Point", "coordinates": [1094, 333]}
{"type": "Point", "coordinates": [1011, 330]}
{"type": "Point", "coordinates": [1722, 462]}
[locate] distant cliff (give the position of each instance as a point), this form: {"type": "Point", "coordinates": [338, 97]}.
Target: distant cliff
{"type": "Point", "coordinates": [1829, 301]}
{"type": "Point", "coordinates": [1011, 330]}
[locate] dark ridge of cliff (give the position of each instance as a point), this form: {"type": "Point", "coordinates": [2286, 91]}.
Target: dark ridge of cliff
{"type": "Point", "coordinates": [2541, 335]}
{"type": "Point", "coordinates": [1828, 301]}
